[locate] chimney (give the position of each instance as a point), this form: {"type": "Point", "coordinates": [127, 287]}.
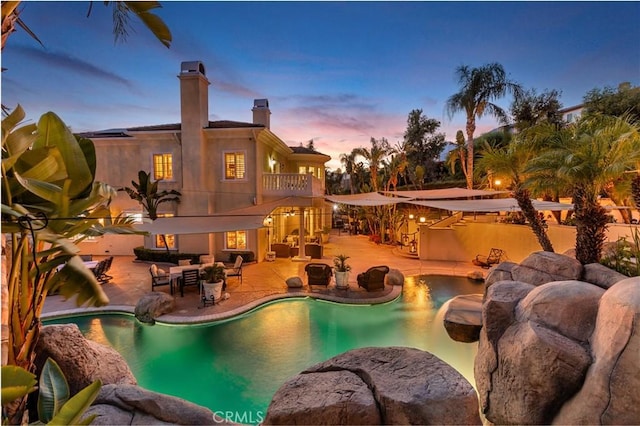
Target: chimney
{"type": "Point", "coordinates": [194, 96]}
{"type": "Point", "coordinates": [261, 112]}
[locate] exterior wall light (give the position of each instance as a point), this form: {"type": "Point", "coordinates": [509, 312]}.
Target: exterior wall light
{"type": "Point", "coordinates": [411, 216]}
{"type": "Point", "coordinates": [423, 219]}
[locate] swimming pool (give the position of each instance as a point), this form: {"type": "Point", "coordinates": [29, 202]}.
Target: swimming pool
{"type": "Point", "coordinates": [237, 365]}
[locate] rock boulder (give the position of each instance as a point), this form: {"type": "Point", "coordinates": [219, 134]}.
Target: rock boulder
{"type": "Point", "coordinates": [152, 305]}
{"type": "Point", "coordinates": [82, 361]}
{"type": "Point", "coordinates": [463, 318]}
{"type": "Point", "coordinates": [394, 277]}
{"type": "Point", "coordinates": [600, 275]}
{"type": "Point", "coordinates": [389, 385]}
{"type": "Point", "coordinates": [132, 405]}
{"type": "Point", "coordinates": [611, 390]}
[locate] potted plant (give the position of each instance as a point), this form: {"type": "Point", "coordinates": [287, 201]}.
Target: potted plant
{"type": "Point", "coordinates": [213, 277]}
{"type": "Point", "coordinates": [341, 269]}
{"type": "Point", "coordinates": [325, 234]}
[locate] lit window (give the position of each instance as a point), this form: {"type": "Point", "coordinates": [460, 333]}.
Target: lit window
{"type": "Point", "coordinates": [234, 165]}
{"type": "Point", "coordinates": [236, 240]}
{"type": "Point", "coordinates": [302, 170]}
{"type": "Point", "coordinates": [171, 241]}
{"type": "Point", "coordinates": [163, 166]}
{"type": "Point", "coordinates": [170, 238]}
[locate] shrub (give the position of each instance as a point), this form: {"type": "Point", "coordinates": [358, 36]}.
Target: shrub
{"type": "Point", "coordinates": [247, 256]}
{"type": "Point", "coordinates": [150, 255]}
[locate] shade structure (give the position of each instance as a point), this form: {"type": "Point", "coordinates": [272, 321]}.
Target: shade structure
{"type": "Point", "coordinates": [367, 199]}
{"type": "Point", "coordinates": [444, 193]}
{"type": "Point", "coordinates": [488, 205]}
{"type": "Point", "coordinates": [245, 218]}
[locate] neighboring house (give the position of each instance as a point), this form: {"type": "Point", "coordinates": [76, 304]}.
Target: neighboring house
{"type": "Point", "coordinates": [572, 114]}
{"type": "Point", "coordinates": [218, 166]}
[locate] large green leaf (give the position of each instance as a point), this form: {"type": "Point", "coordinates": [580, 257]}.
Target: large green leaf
{"type": "Point", "coordinates": [53, 132]}
{"type": "Point", "coordinates": [75, 279]}
{"type": "Point", "coordinates": [16, 383]}
{"type": "Point", "coordinates": [16, 143]}
{"type": "Point", "coordinates": [151, 21]}
{"type": "Point", "coordinates": [44, 164]}
{"type": "Point", "coordinates": [71, 412]}
{"type": "Point", "coordinates": [54, 391]}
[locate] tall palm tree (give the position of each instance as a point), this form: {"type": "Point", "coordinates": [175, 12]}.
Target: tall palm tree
{"type": "Point", "coordinates": [479, 87]}
{"type": "Point", "coordinates": [349, 163]}
{"type": "Point", "coordinates": [590, 155]}
{"type": "Point", "coordinates": [509, 162]}
{"type": "Point", "coordinates": [378, 151]}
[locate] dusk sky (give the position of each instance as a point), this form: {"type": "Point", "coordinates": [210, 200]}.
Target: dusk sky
{"type": "Point", "coordinates": [335, 72]}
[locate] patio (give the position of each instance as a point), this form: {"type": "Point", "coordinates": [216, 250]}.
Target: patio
{"type": "Point", "coordinates": [263, 282]}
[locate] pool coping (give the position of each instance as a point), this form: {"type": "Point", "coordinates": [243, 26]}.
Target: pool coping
{"type": "Point", "coordinates": [395, 292]}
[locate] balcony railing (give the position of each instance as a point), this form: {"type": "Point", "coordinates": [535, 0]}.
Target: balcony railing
{"type": "Point", "coordinates": [291, 184]}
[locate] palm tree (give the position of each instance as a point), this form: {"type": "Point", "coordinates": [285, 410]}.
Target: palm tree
{"type": "Point", "coordinates": [122, 11]}
{"type": "Point", "coordinates": [589, 155]}
{"type": "Point", "coordinates": [145, 192]}
{"type": "Point", "coordinates": [349, 163]}
{"type": "Point", "coordinates": [379, 150]}
{"type": "Point", "coordinates": [509, 162]}
{"type": "Point", "coordinates": [478, 88]}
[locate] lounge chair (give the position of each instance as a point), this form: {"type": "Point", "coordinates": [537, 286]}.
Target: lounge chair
{"type": "Point", "coordinates": [190, 277]}
{"type": "Point", "coordinates": [100, 270]}
{"type": "Point", "coordinates": [313, 250]}
{"type": "Point", "coordinates": [160, 278]}
{"type": "Point", "coordinates": [318, 274]}
{"type": "Point", "coordinates": [236, 269]}
{"type": "Point", "coordinates": [281, 249]}
{"type": "Point", "coordinates": [487, 261]}
{"type": "Point", "coordinates": [373, 278]}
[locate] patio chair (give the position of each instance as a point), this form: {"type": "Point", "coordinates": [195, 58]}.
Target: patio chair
{"type": "Point", "coordinates": [281, 249]}
{"type": "Point", "coordinates": [373, 278]}
{"type": "Point", "coordinates": [104, 277]}
{"type": "Point", "coordinates": [236, 269]}
{"type": "Point", "coordinates": [318, 274]}
{"type": "Point", "coordinates": [160, 278]}
{"type": "Point", "coordinates": [190, 277]}
{"type": "Point", "coordinates": [206, 259]}
{"type": "Point", "coordinates": [184, 262]}
{"type": "Point", "coordinates": [313, 250]}
{"type": "Point", "coordinates": [86, 257]}
{"type": "Point", "coordinates": [487, 261]}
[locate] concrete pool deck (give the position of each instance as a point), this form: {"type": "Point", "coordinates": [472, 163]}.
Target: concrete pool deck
{"type": "Point", "coordinates": [262, 282]}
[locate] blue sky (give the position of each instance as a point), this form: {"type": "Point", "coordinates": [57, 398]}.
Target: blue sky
{"type": "Point", "coordinates": [335, 72]}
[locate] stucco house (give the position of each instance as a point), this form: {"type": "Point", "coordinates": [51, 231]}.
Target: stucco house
{"type": "Point", "coordinates": [242, 187]}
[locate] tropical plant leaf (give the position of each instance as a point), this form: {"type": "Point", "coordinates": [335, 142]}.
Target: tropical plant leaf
{"type": "Point", "coordinates": [72, 411]}
{"type": "Point", "coordinates": [53, 132]}
{"type": "Point", "coordinates": [153, 22]}
{"type": "Point", "coordinates": [54, 391]}
{"type": "Point", "coordinates": [16, 383]}
{"type": "Point", "coordinates": [75, 279]}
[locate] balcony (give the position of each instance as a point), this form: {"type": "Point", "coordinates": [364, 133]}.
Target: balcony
{"type": "Point", "coordinates": [291, 184]}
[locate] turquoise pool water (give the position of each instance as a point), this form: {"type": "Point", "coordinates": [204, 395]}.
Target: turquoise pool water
{"type": "Point", "coordinates": [237, 365]}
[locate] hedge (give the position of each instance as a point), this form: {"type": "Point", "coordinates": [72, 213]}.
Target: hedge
{"type": "Point", "coordinates": [163, 256]}
{"type": "Point", "coordinates": [247, 256]}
